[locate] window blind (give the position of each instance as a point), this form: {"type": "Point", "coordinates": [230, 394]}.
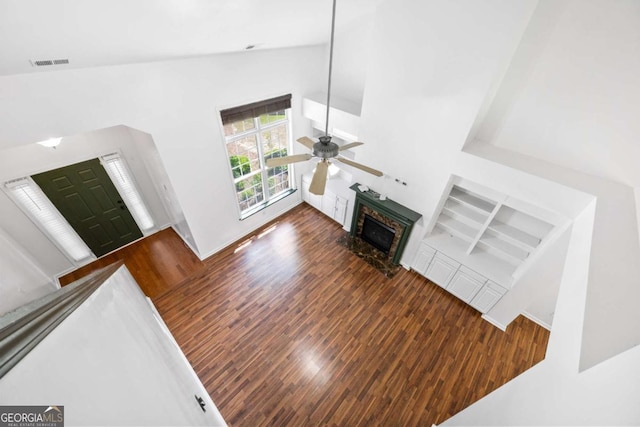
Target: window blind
{"type": "Point", "coordinates": [32, 199]}
{"type": "Point", "coordinates": [256, 109]}
{"type": "Point", "coordinates": [121, 178]}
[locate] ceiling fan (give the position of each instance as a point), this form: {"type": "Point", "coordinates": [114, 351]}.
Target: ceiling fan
{"type": "Point", "coordinates": [324, 149]}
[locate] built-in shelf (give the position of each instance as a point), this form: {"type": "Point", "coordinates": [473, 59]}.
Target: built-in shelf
{"type": "Point", "coordinates": [457, 228]}
{"type": "Point", "coordinates": [487, 231]}
{"type": "Point", "coordinates": [481, 242]}
{"type": "Point", "coordinates": [511, 252]}
{"type": "Point", "coordinates": [453, 207]}
{"type": "Point", "coordinates": [516, 235]}
{"type": "Point", "coordinates": [471, 200]}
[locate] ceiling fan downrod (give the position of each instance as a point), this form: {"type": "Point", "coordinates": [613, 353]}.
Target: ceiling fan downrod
{"type": "Point", "coordinates": [325, 148]}
{"type": "Point", "coordinates": [333, 30]}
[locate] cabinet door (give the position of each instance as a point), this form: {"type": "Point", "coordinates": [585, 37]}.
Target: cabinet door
{"type": "Point", "coordinates": [466, 284]}
{"type": "Point", "coordinates": [305, 191]}
{"type": "Point", "coordinates": [329, 204]}
{"type": "Point", "coordinates": [313, 199]}
{"type": "Point", "coordinates": [341, 210]}
{"type": "Point", "coordinates": [441, 269]}
{"type": "Point", "coordinates": [488, 296]}
{"type": "Point", "coordinates": [423, 258]}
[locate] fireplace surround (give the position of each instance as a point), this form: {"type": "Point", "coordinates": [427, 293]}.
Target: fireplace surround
{"type": "Point", "coordinates": [388, 214]}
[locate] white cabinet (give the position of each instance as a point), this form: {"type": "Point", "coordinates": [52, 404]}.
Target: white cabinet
{"type": "Point", "coordinates": [313, 199]}
{"type": "Point", "coordinates": [331, 203]}
{"type": "Point", "coordinates": [461, 281]}
{"type": "Point", "coordinates": [423, 258]}
{"type": "Point", "coordinates": [441, 270]}
{"type": "Point", "coordinates": [341, 210]}
{"type": "Point", "coordinates": [328, 203]}
{"type": "Point", "coordinates": [466, 283]}
{"type": "Point", "coordinates": [334, 206]}
{"type": "Point", "coordinates": [487, 297]}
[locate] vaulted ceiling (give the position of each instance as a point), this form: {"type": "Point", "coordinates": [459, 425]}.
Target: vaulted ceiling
{"type": "Point", "coordinates": [104, 32]}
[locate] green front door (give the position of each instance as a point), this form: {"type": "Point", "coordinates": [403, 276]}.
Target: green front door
{"type": "Point", "coordinates": [86, 197]}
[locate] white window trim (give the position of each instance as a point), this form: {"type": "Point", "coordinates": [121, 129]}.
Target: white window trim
{"type": "Point", "coordinates": [258, 129]}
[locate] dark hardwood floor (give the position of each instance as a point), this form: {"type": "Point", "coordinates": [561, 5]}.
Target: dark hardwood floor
{"type": "Point", "coordinates": [288, 327]}
{"type": "Point", "coordinates": [158, 263]}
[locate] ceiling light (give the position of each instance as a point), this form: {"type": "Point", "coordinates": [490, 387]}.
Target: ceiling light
{"type": "Point", "coordinates": [51, 142]}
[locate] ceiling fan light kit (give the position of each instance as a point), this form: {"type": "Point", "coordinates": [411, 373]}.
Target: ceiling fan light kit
{"type": "Point", "coordinates": [324, 149]}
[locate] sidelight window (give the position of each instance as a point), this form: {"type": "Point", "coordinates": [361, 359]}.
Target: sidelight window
{"type": "Point", "coordinates": [121, 178]}
{"type": "Point", "coordinates": [35, 203]}
{"type": "Point", "coordinates": [254, 133]}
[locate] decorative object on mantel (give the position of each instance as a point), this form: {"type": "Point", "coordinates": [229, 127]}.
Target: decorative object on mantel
{"type": "Point", "coordinates": [374, 257]}
{"type": "Point", "coordinates": [381, 223]}
{"type": "Point", "coordinates": [324, 149]}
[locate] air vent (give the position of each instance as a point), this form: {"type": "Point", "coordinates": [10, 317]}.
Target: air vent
{"type": "Point", "coordinates": [47, 62]}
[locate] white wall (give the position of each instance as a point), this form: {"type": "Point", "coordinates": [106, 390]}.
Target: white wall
{"type": "Point", "coordinates": [112, 362]}
{"type": "Point", "coordinates": [351, 55]}
{"type": "Point", "coordinates": [420, 100]}
{"type": "Point", "coordinates": [160, 180]}
{"type": "Point", "coordinates": [570, 98]}
{"type": "Point", "coordinates": [430, 68]}
{"type": "Point", "coordinates": [571, 93]}
{"type": "Point", "coordinates": [177, 103]}
{"type": "Point", "coordinates": [21, 280]}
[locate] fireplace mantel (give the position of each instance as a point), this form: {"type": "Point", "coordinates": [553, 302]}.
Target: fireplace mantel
{"type": "Point", "coordinates": [396, 215]}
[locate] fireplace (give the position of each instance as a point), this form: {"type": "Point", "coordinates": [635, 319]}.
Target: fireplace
{"type": "Point", "coordinates": [383, 224]}
{"type": "Point", "coordinates": [377, 234]}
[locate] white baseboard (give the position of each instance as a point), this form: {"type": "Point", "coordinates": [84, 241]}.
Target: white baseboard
{"type": "Point", "coordinates": [495, 323]}
{"type": "Point", "coordinates": [537, 320]}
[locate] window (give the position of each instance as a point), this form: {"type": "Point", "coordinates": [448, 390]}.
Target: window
{"type": "Point", "coordinates": [121, 178]}
{"type": "Point", "coordinates": [33, 200]}
{"type": "Point", "coordinates": [253, 134]}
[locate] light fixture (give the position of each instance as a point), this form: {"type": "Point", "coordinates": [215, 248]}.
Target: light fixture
{"type": "Point", "coordinates": [51, 142]}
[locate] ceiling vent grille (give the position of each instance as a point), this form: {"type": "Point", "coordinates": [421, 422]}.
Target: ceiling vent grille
{"type": "Point", "coordinates": [47, 62]}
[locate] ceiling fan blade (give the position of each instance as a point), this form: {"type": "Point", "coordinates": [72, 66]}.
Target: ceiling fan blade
{"type": "Point", "coordinates": [319, 180]}
{"type": "Point", "coordinates": [307, 142]}
{"type": "Point", "coordinates": [359, 166]}
{"type": "Point", "coordinates": [279, 161]}
{"type": "Point", "coordinates": [350, 145]}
